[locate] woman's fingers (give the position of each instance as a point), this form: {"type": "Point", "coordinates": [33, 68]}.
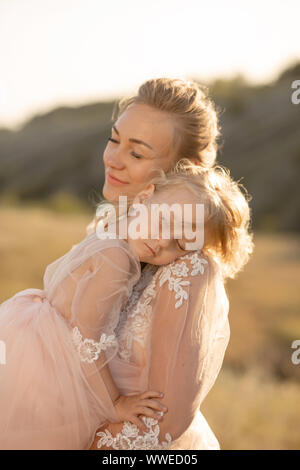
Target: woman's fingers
{"type": "Point", "coordinates": [156, 405]}
{"type": "Point", "coordinates": [151, 393]}
{"type": "Point", "coordinates": [139, 423]}
{"type": "Point", "coordinates": [148, 412]}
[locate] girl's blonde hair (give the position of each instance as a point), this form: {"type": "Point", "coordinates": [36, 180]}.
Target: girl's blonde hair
{"type": "Point", "coordinates": [196, 126]}
{"type": "Point", "coordinates": [227, 236]}
{"type": "Point", "coordinates": [227, 219]}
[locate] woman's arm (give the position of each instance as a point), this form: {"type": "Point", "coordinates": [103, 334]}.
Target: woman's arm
{"type": "Point", "coordinates": [103, 284]}
{"type": "Point", "coordinates": [111, 386]}
{"type": "Point", "coordinates": [185, 351]}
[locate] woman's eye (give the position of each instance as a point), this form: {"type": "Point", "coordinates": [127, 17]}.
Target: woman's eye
{"type": "Point", "coordinates": [136, 155]}
{"type": "Point", "coordinates": [132, 153]}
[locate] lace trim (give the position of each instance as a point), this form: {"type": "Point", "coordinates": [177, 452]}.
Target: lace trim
{"type": "Point", "coordinates": [88, 349]}
{"type": "Point", "coordinates": [181, 270]}
{"type": "Point", "coordinates": [135, 319]}
{"type": "Point", "coordinates": [131, 439]}
{"type": "Point", "coordinates": [139, 324]}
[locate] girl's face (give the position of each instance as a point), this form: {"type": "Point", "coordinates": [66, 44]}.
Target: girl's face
{"type": "Point", "coordinates": [141, 140]}
{"type": "Point", "coordinates": [161, 251]}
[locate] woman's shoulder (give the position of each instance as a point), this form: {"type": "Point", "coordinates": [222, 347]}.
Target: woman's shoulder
{"type": "Point", "coordinates": [179, 277]}
{"type": "Point", "coordinates": [192, 264]}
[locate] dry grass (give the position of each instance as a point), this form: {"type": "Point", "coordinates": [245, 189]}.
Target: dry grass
{"type": "Point", "coordinates": [255, 401]}
{"type": "Point", "coordinates": [264, 307]}
{"type": "Point", "coordinates": [30, 239]}
{"type": "Point", "coordinates": [254, 411]}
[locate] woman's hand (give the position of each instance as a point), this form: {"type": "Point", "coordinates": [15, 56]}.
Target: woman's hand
{"type": "Point", "coordinates": [130, 407]}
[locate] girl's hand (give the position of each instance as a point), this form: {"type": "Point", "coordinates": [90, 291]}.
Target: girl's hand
{"type": "Point", "coordinates": [130, 407]}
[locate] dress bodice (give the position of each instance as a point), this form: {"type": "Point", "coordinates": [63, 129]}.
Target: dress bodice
{"type": "Point", "coordinates": [135, 319]}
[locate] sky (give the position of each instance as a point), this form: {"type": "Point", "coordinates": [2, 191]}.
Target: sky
{"type": "Point", "coordinates": [73, 52]}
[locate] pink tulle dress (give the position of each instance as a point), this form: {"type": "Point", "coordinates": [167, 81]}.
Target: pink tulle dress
{"type": "Point", "coordinates": [57, 339]}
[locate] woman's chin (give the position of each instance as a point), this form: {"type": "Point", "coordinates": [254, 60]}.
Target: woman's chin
{"type": "Point", "coordinates": [109, 193]}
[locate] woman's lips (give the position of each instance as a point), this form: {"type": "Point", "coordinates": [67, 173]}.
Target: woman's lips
{"type": "Point", "coordinates": [115, 181]}
{"type": "Point", "coordinates": [152, 251]}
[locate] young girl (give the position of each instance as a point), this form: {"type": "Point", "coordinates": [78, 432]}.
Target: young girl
{"type": "Point", "coordinates": [56, 388]}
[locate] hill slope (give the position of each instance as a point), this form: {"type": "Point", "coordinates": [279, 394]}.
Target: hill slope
{"type": "Point", "coordinates": [62, 150]}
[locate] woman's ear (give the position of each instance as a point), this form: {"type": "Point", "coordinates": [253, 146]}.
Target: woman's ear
{"type": "Point", "coordinates": [146, 193]}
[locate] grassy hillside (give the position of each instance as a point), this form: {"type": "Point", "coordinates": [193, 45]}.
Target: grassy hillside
{"type": "Point", "coordinates": [61, 151]}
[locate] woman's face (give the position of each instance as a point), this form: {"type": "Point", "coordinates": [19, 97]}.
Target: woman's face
{"type": "Point", "coordinates": [128, 162]}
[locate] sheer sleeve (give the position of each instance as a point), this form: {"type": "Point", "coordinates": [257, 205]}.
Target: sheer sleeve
{"type": "Point", "coordinates": [103, 283]}
{"type": "Point", "coordinates": [186, 347]}
{"type": "Point", "coordinates": [89, 286]}
{"type": "Point", "coordinates": [188, 339]}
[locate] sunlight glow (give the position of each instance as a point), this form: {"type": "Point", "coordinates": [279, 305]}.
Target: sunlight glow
{"type": "Point", "coordinates": [56, 52]}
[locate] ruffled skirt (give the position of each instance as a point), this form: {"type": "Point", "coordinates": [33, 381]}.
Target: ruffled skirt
{"type": "Point", "coordinates": [45, 399]}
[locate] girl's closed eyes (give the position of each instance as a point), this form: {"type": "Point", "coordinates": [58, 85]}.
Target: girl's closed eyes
{"type": "Point", "coordinates": [166, 244]}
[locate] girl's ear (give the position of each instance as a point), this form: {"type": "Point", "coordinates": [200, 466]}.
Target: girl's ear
{"type": "Point", "coordinates": [146, 193]}
{"type": "Point", "coordinates": [195, 161]}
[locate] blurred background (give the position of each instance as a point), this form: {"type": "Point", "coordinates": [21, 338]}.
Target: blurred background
{"type": "Point", "coordinates": [64, 64]}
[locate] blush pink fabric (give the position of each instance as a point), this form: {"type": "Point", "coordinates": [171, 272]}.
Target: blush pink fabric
{"type": "Point", "coordinates": [49, 398]}
{"type": "Point", "coordinates": [172, 334]}
{"type": "Point", "coordinates": [172, 330]}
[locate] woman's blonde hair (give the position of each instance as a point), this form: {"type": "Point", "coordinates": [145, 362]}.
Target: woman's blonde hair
{"type": "Point", "coordinates": [227, 219]}
{"type": "Point", "coordinates": [196, 126]}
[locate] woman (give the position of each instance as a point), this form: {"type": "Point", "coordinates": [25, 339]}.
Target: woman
{"type": "Point", "coordinates": [173, 331]}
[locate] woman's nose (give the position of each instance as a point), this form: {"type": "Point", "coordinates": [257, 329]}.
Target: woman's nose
{"type": "Point", "coordinates": [114, 160]}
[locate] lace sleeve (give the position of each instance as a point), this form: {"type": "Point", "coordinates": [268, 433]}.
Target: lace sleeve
{"type": "Point", "coordinates": [103, 284]}
{"type": "Point", "coordinates": [88, 287]}
{"type": "Point", "coordinates": [189, 312]}
{"type": "Point", "coordinates": [185, 351]}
